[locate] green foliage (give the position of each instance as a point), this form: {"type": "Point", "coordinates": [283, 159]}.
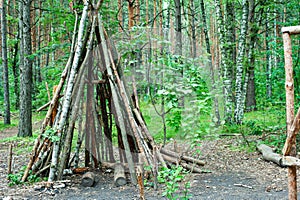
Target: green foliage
{"type": "Point", "coordinates": [171, 178]}
{"type": "Point", "coordinates": [51, 134]}
{"type": "Point", "coordinates": [15, 179]}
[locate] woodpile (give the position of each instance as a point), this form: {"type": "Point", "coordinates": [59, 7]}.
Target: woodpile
{"type": "Point", "coordinates": [90, 103]}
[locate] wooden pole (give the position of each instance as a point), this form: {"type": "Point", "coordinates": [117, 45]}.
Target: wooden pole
{"type": "Point", "coordinates": [9, 160]}
{"type": "Point", "coordinates": [289, 88]}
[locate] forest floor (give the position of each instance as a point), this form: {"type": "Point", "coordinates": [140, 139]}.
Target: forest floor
{"type": "Point", "coordinates": [234, 174]}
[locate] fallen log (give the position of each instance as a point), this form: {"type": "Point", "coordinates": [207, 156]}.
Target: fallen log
{"type": "Point", "coordinates": [119, 175]}
{"type": "Point", "coordinates": [189, 167]}
{"type": "Point", "coordinates": [282, 161]}
{"type": "Point", "coordinates": [269, 155]}
{"type": "Point", "coordinates": [185, 158]}
{"type": "Point", "coordinates": [88, 179]}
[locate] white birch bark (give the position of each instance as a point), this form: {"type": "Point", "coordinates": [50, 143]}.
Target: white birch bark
{"type": "Point", "coordinates": [239, 90]}
{"type": "Point", "coordinates": [67, 99]}
{"type": "Point", "coordinates": [227, 81]}
{"type": "Point", "coordinates": [269, 60]}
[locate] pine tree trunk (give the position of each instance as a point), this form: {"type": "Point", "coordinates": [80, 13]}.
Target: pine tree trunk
{"type": "Point", "coordinates": [178, 27]}
{"type": "Point", "coordinates": [211, 68]}
{"type": "Point", "coordinates": [253, 29]}
{"type": "Point", "coordinates": [25, 123]}
{"type": "Point", "coordinates": [239, 92]}
{"type": "Point", "coordinates": [5, 62]}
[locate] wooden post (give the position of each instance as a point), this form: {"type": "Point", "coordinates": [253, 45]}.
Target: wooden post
{"type": "Point", "coordinates": [289, 88]}
{"type": "Point", "coordinates": [9, 160]}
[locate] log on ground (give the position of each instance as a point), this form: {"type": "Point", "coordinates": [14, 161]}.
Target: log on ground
{"type": "Point", "coordinates": [119, 175]}
{"type": "Point", "coordinates": [88, 179]}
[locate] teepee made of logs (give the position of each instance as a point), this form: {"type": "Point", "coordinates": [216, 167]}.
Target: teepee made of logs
{"type": "Point", "coordinates": [91, 102]}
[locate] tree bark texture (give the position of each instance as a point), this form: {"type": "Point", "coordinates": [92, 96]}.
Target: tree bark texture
{"type": "Point", "coordinates": [66, 103]}
{"type": "Point", "coordinates": [253, 30]}
{"type": "Point", "coordinates": [225, 67]}
{"type": "Point", "coordinates": [119, 175]}
{"type": "Point", "coordinates": [239, 91]}
{"type": "Point", "coordinates": [178, 27]}
{"type": "Point", "coordinates": [289, 88]}
{"type": "Point", "coordinates": [211, 67]}
{"type": "Point", "coordinates": [25, 123]}
{"type": "Point", "coordinates": [5, 62]}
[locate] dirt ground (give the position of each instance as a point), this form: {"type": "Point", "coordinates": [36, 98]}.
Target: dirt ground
{"type": "Point", "coordinates": [233, 175]}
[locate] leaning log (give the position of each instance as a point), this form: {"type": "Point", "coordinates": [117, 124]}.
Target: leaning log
{"type": "Point", "coordinates": [88, 179]}
{"type": "Point", "coordinates": [119, 175]}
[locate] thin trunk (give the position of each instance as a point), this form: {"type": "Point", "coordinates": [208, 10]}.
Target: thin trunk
{"type": "Point", "coordinates": [290, 113]}
{"type": "Point", "coordinates": [268, 58]}
{"type": "Point", "coordinates": [239, 91]}
{"type": "Point", "coordinates": [130, 13]}
{"type": "Point", "coordinates": [5, 62]}
{"type": "Point", "coordinates": [120, 16]}
{"type": "Point", "coordinates": [25, 123]}
{"type": "Point", "coordinates": [137, 11]}
{"type": "Point", "coordinates": [231, 36]}
{"type": "Point", "coordinates": [226, 69]}
{"type": "Point", "coordinates": [212, 74]}
{"type": "Point", "coordinates": [253, 30]}
{"type": "Point", "coordinates": [67, 98]}
{"type": "Point", "coordinates": [192, 27]}
{"type": "Point", "coordinates": [178, 27]}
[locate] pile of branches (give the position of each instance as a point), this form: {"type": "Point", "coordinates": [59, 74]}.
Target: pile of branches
{"type": "Point", "coordinates": [91, 101]}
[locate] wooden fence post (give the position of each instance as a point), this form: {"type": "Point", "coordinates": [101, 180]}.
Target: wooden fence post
{"type": "Point", "coordinates": [289, 88]}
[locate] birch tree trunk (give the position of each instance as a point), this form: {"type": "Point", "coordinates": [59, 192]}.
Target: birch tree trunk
{"type": "Point", "coordinates": [5, 62]}
{"type": "Point", "coordinates": [268, 57]}
{"type": "Point", "coordinates": [239, 92]}
{"type": "Point", "coordinates": [225, 67]}
{"type": "Point", "coordinates": [25, 123]}
{"type": "Point", "coordinates": [67, 98]}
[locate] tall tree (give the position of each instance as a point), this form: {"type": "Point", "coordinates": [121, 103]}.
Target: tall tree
{"type": "Point", "coordinates": [25, 123]}
{"type": "Point", "coordinates": [225, 67]}
{"type": "Point", "coordinates": [240, 68]}
{"type": "Point", "coordinates": [4, 61]}
{"type": "Point", "coordinates": [212, 73]}
{"type": "Point", "coordinates": [178, 27]}
{"type": "Point", "coordinates": [254, 22]}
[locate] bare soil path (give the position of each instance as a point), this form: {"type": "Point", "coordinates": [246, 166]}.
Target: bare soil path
{"type": "Point", "coordinates": [234, 175]}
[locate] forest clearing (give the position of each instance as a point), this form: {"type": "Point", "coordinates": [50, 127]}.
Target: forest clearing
{"type": "Point", "coordinates": [155, 99]}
